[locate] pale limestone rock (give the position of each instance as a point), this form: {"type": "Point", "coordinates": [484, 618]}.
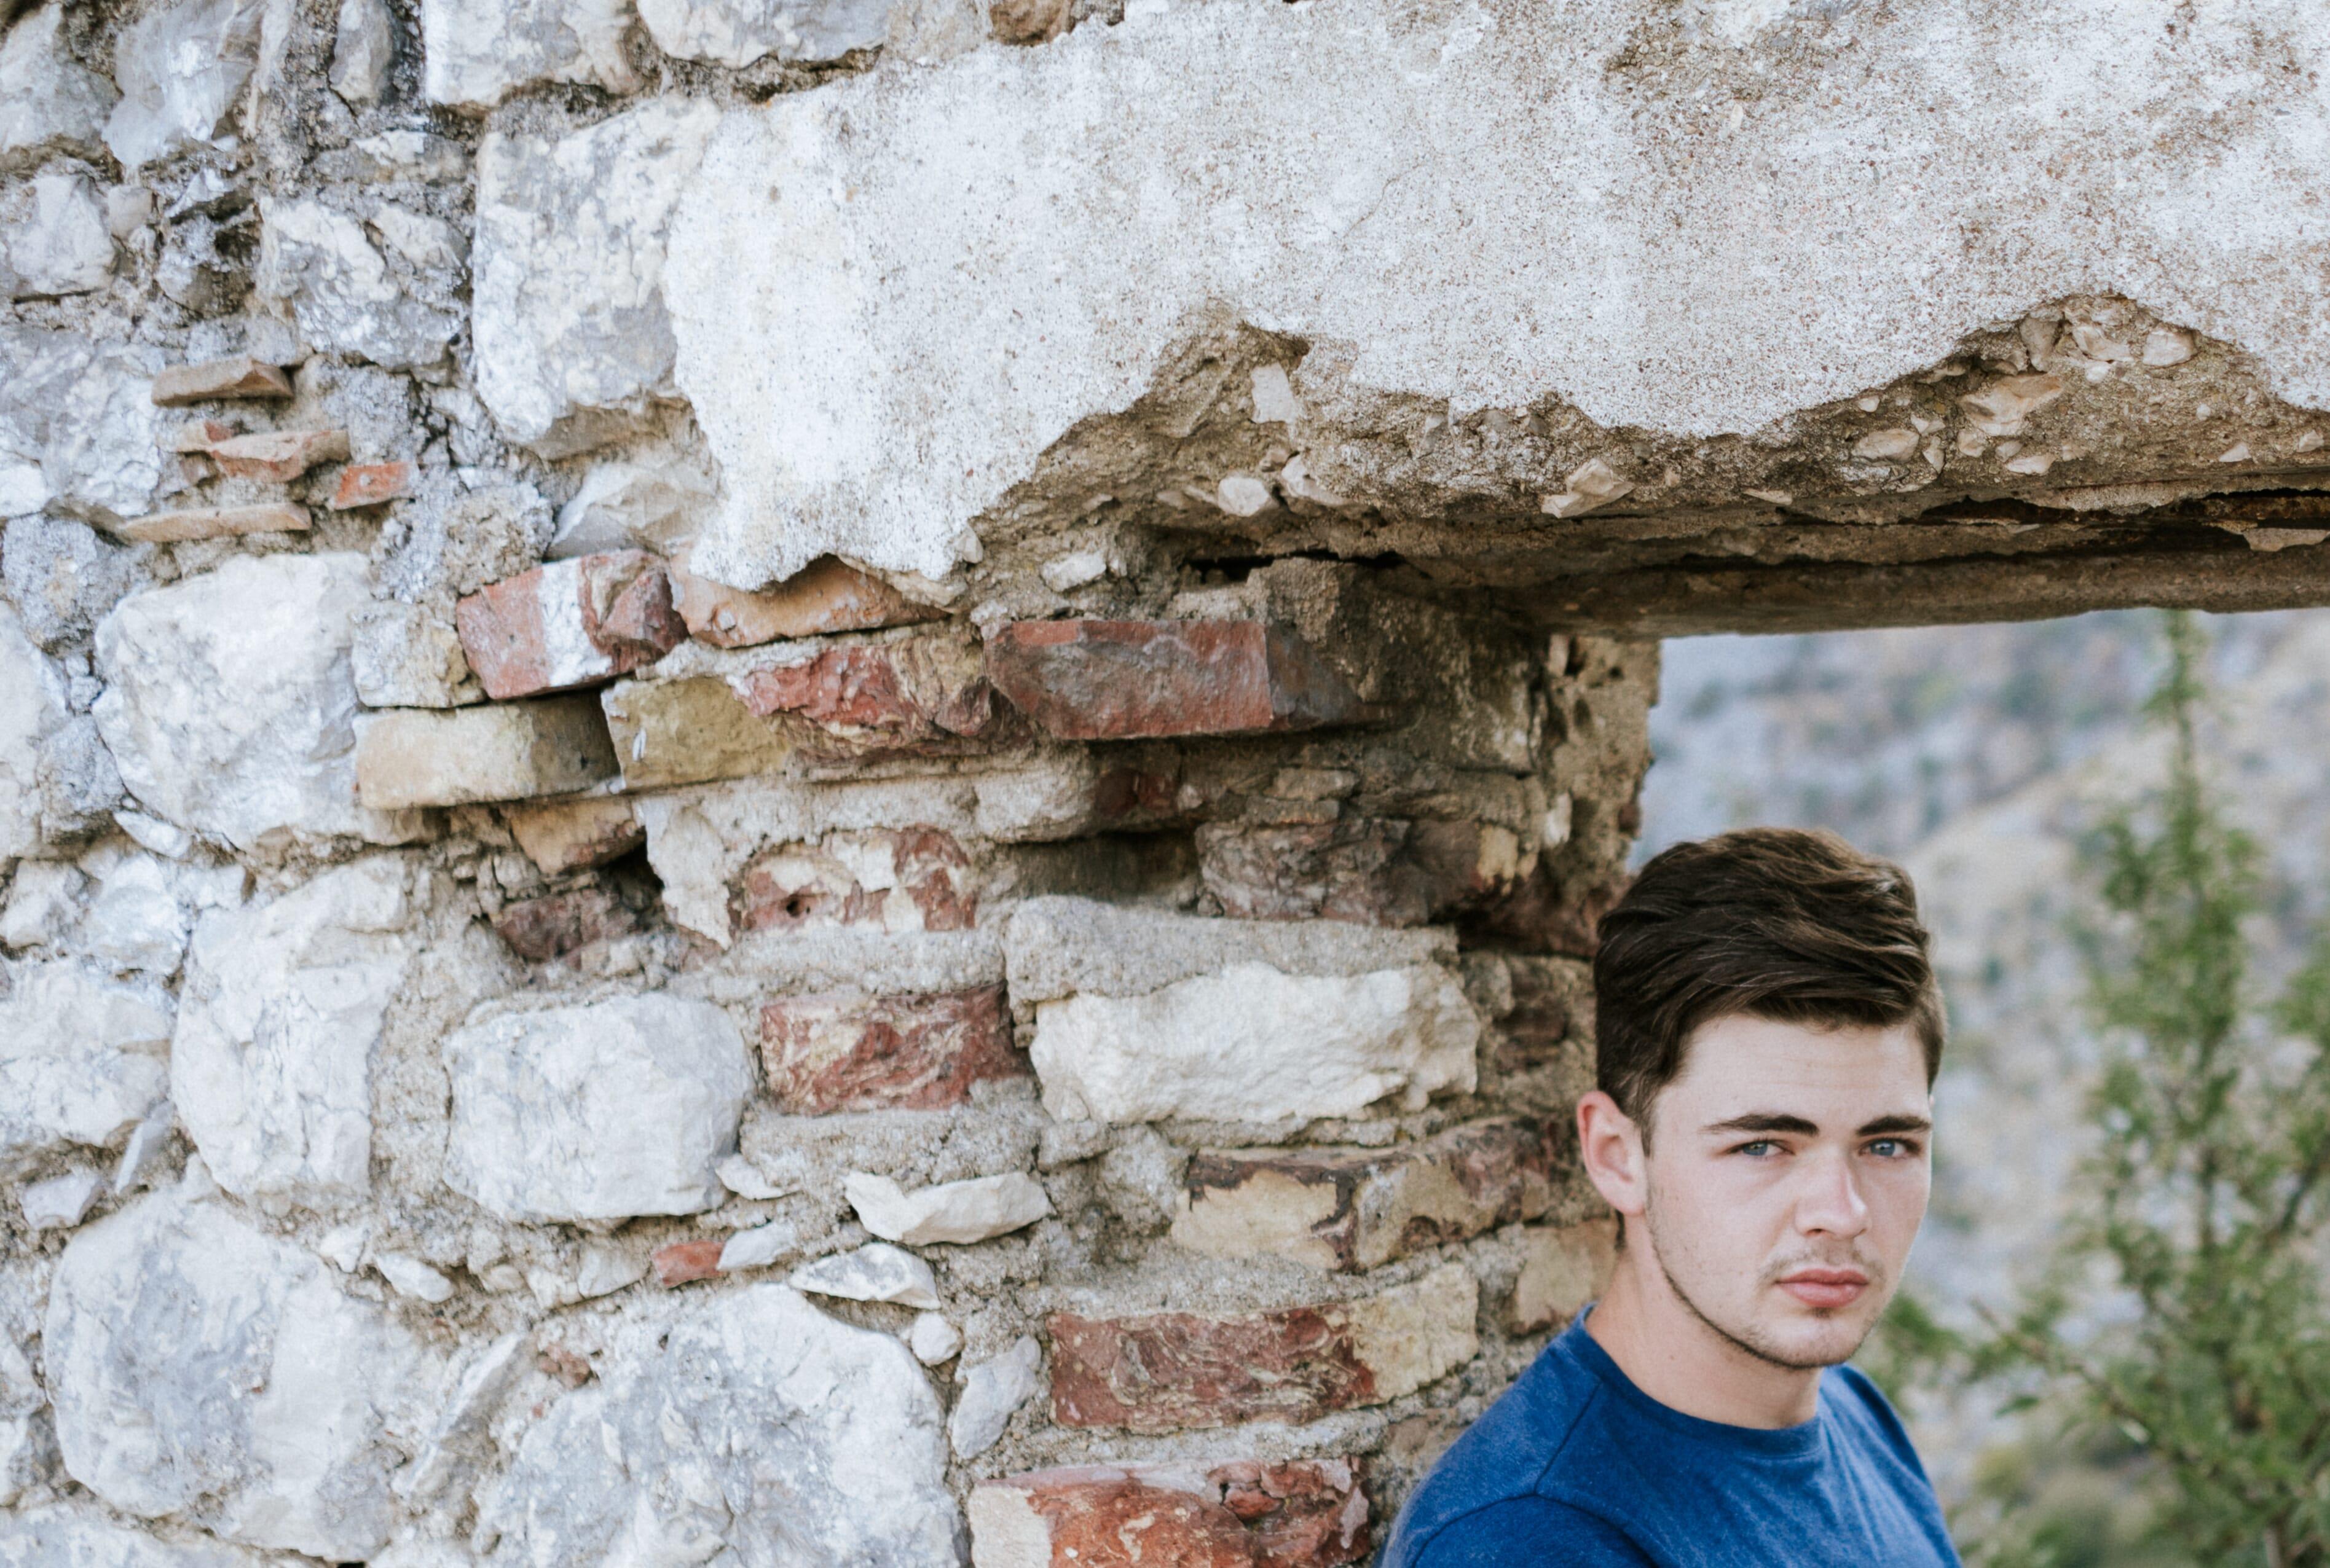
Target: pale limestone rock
{"type": "Point", "coordinates": [141, 1164]}
{"type": "Point", "coordinates": [992, 1391]}
{"type": "Point", "coordinates": [634, 505]}
{"type": "Point", "coordinates": [281, 1012]}
{"type": "Point", "coordinates": [932, 1338]}
{"type": "Point", "coordinates": [1563, 1267]}
{"type": "Point", "coordinates": [82, 1060]}
{"type": "Point", "coordinates": [961, 1211]}
{"type": "Point", "coordinates": [755, 1430]}
{"type": "Point", "coordinates": [574, 339]}
{"type": "Point", "coordinates": [363, 48]}
{"type": "Point", "coordinates": [414, 1278]}
{"type": "Point", "coordinates": [230, 705]}
{"type": "Point", "coordinates": [181, 67]}
{"type": "Point", "coordinates": [44, 902]}
{"type": "Point", "coordinates": [423, 240]}
{"type": "Point", "coordinates": [1061, 947]}
{"type": "Point", "coordinates": [458, 1443]}
{"type": "Point", "coordinates": [408, 655]}
{"type": "Point", "coordinates": [477, 52]}
{"type": "Point", "coordinates": [501, 751]}
{"type": "Point", "coordinates": [62, 247]}
{"type": "Point", "coordinates": [742, 1176]}
{"type": "Point", "coordinates": [868, 394]}
{"type": "Point", "coordinates": [76, 1535]}
{"type": "Point", "coordinates": [31, 709]}
{"type": "Point", "coordinates": [48, 102]}
{"type": "Point", "coordinates": [202, 1369]}
{"type": "Point", "coordinates": [60, 1202]}
{"type": "Point", "coordinates": [736, 32]}
{"type": "Point", "coordinates": [760, 1246]}
{"type": "Point", "coordinates": [596, 1111]}
{"type": "Point", "coordinates": [606, 1269]}
{"type": "Point", "coordinates": [318, 263]}
{"type": "Point", "coordinates": [877, 1271]}
{"type": "Point", "coordinates": [135, 920]}
{"type": "Point", "coordinates": [1254, 1044]}
{"type": "Point", "coordinates": [63, 577]}
{"type": "Point", "coordinates": [79, 433]}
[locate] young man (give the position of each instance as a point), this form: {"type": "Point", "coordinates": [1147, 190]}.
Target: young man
{"type": "Point", "coordinates": [1767, 1030]}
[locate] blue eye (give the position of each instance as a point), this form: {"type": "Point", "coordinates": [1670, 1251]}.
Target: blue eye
{"type": "Point", "coordinates": [1891, 1148]}
{"type": "Point", "coordinates": [1762, 1146]}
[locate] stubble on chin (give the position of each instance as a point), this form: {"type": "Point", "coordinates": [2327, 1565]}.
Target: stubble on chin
{"type": "Point", "coordinates": [1750, 1338]}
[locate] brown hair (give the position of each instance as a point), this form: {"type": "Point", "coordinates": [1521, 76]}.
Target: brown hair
{"type": "Point", "coordinates": [1775, 922]}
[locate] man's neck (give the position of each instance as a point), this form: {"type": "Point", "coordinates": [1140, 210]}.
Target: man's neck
{"type": "Point", "coordinates": [1669, 1353]}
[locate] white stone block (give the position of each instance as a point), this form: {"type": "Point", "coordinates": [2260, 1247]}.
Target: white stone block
{"type": "Point", "coordinates": [961, 1211]}
{"type": "Point", "coordinates": [736, 32]}
{"type": "Point", "coordinates": [477, 52]}
{"type": "Point", "coordinates": [230, 705]}
{"type": "Point", "coordinates": [932, 1338]}
{"type": "Point", "coordinates": [81, 1060]}
{"type": "Point", "coordinates": [181, 67]}
{"type": "Point", "coordinates": [760, 1246]}
{"type": "Point", "coordinates": [363, 49]}
{"type": "Point", "coordinates": [44, 901]}
{"type": "Point", "coordinates": [414, 1278]}
{"type": "Point", "coordinates": [755, 1430]}
{"type": "Point", "coordinates": [31, 708]}
{"type": "Point", "coordinates": [48, 103]}
{"type": "Point", "coordinates": [596, 1111]}
{"type": "Point", "coordinates": [135, 919]}
{"type": "Point", "coordinates": [62, 247]}
{"type": "Point", "coordinates": [317, 262]}
{"type": "Point", "coordinates": [281, 1011]}
{"type": "Point", "coordinates": [78, 1534]}
{"type": "Point", "coordinates": [992, 1391]}
{"type": "Point", "coordinates": [201, 1368]}
{"type": "Point", "coordinates": [60, 1202]}
{"type": "Point", "coordinates": [877, 1271]}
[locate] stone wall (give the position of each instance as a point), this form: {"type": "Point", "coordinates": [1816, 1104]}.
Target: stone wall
{"type": "Point", "coordinates": [823, 781]}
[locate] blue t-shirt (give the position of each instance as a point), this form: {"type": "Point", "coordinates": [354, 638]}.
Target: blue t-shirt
{"type": "Point", "coordinates": [1576, 1468]}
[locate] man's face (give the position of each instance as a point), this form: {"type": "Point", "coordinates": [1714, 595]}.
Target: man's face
{"type": "Point", "coordinates": [1787, 1173]}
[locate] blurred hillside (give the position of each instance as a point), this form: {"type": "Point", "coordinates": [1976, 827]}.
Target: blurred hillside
{"type": "Point", "coordinates": [1979, 756]}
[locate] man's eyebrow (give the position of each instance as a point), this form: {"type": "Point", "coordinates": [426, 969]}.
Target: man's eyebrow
{"type": "Point", "coordinates": [1765, 1121]}
{"type": "Point", "coordinates": [1894, 1124]}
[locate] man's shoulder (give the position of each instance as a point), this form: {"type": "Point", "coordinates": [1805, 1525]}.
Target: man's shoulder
{"type": "Point", "coordinates": [1509, 1457]}
{"type": "Point", "coordinates": [1523, 1529]}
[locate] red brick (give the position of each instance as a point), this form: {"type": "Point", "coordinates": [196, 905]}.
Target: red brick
{"type": "Point", "coordinates": [372, 484]}
{"type": "Point", "coordinates": [923, 696]}
{"type": "Point", "coordinates": [1169, 1371]}
{"type": "Point", "coordinates": [1350, 1210]}
{"type": "Point", "coordinates": [539, 929]}
{"type": "Point", "coordinates": [1103, 680]}
{"type": "Point", "coordinates": [930, 887]}
{"type": "Point", "coordinates": [213, 523]}
{"type": "Point", "coordinates": [841, 1050]}
{"type": "Point", "coordinates": [685, 1262]}
{"type": "Point", "coordinates": [569, 624]}
{"type": "Point", "coordinates": [239, 377]}
{"type": "Point", "coordinates": [825, 597]}
{"type": "Point", "coordinates": [277, 457]}
{"type": "Point", "coordinates": [1304, 1514]}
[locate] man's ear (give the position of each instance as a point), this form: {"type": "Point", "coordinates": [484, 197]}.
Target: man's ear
{"type": "Point", "coordinates": [1610, 1146]}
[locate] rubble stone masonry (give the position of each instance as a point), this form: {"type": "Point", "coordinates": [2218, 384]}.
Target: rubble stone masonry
{"type": "Point", "coordinates": [826, 781]}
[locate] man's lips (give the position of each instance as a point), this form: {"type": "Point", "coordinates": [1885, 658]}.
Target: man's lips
{"type": "Point", "coordinates": [1825, 1288]}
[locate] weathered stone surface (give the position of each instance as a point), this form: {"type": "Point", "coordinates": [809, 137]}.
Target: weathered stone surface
{"type": "Point", "coordinates": [282, 1010]}
{"type": "Point", "coordinates": [1383, 872]}
{"type": "Point", "coordinates": [70, 1536]}
{"type": "Point", "coordinates": [460, 1441]}
{"type": "Point", "coordinates": [137, 918]}
{"type": "Point", "coordinates": [1353, 1209]}
{"type": "Point", "coordinates": [62, 1202]}
{"type": "Point", "coordinates": [877, 1271]}
{"type": "Point", "coordinates": [316, 263]}
{"type": "Point", "coordinates": [596, 1111]}
{"type": "Point", "coordinates": [63, 577]}
{"type": "Point", "coordinates": [1254, 1043]}
{"type": "Point", "coordinates": [1303, 1514]}
{"type": "Point", "coordinates": [736, 33]}
{"type": "Point", "coordinates": [691, 731]}
{"type": "Point", "coordinates": [921, 696]}
{"type": "Point", "coordinates": [213, 523]}
{"type": "Point", "coordinates": [44, 899]}
{"type": "Point", "coordinates": [653, 505]}
{"type": "Point", "coordinates": [1171, 1370]}
{"type": "Point", "coordinates": [1110, 680]}
{"type": "Point", "coordinates": [477, 52]}
{"type": "Point", "coordinates": [992, 1392]}
{"type": "Point", "coordinates": [277, 457]}
{"type": "Point", "coordinates": [933, 1339]}
{"type": "Point", "coordinates": [77, 432]}
{"type": "Point", "coordinates": [568, 624]}
{"type": "Point", "coordinates": [821, 330]}
{"type": "Point", "coordinates": [62, 247]}
{"type": "Point", "coordinates": [364, 50]}
{"type": "Point", "coordinates": [48, 102]}
{"type": "Point", "coordinates": [230, 705]}
{"type": "Point", "coordinates": [825, 597]}
{"type": "Point", "coordinates": [240, 376]}
{"type": "Point", "coordinates": [917, 879]}
{"type": "Point", "coordinates": [371, 484]}
{"type": "Point", "coordinates": [755, 1429]}
{"type": "Point", "coordinates": [31, 709]}
{"type": "Point", "coordinates": [539, 929]}
{"type": "Point", "coordinates": [572, 337]}
{"type": "Point", "coordinates": [961, 1211]}
{"type": "Point", "coordinates": [181, 68]}
{"type": "Point", "coordinates": [506, 751]}
{"type": "Point", "coordinates": [409, 656]}
{"type": "Point", "coordinates": [1562, 1269]}
{"type": "Point", "coordinates": [563, 836]}
{"type": "Point", "coordinates": [202, 1369]}
{"type": "Point", "coordinates": [846, 1051]}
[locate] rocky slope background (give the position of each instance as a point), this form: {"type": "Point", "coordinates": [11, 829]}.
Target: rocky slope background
{"type": "Point", "coordinates": [1978, 756]}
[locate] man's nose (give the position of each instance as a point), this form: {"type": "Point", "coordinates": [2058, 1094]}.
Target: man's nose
{"type": "Point", "coordinates": [1831, 1203]}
